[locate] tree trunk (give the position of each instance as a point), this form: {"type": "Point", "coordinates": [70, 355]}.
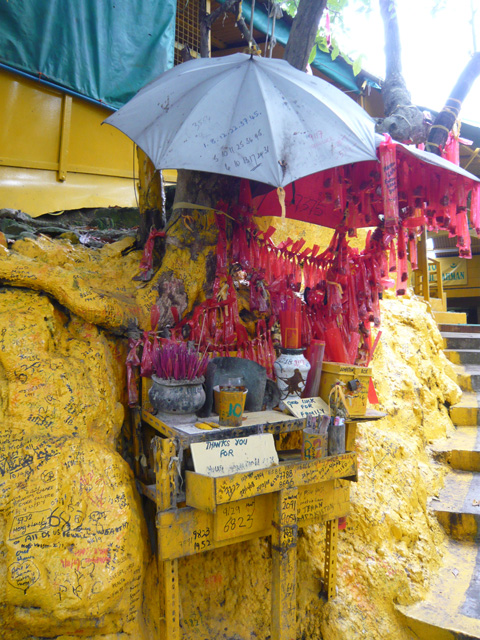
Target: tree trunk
{"type": "Point", "coordinates": [303, 32]}
{"type": "Point", "coordinates": [189, 264]}
{"type": "Point", "coordinates": [448, 115]}
{"type": "Point", "coordinates": [403, 121]}
{"type": "Point", "coordinates": [151, 195]}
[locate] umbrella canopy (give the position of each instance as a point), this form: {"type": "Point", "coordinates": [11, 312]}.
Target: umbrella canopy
{"type": "Point", "coordinates": [246, 116]}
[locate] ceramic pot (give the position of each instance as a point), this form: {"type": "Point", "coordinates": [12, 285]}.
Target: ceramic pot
{"type": "Point", "coordinates": [177, 401]}
{"type": "Point", "coordinates": [291, 370]}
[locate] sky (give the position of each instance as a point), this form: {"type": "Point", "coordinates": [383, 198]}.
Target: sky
{"type": "Point", "coordinates": [435, 49]}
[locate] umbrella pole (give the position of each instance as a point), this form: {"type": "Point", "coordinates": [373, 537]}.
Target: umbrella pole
{"type": "Point", "coordinates": [251, 24]}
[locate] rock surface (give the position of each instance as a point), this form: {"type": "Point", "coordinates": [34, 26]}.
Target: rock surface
{"type": "Point", "coordinates": [74, 551]}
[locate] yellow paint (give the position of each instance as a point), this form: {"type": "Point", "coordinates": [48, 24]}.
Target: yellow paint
{"type": "Point", "coordinates": [243, 517]}
{"type": "Point", "coordinates": [204, 492]}
{"type": "Point", "coordinates": [467, 411]}
{"type": "Point", "coordinates": [75, 277]}
{"type": "Point", "coordinates": [355, 401]}
{"type": "Point", "coordinates": [149, 184]}
{"type": "Point", "coordinates": [324, 501]}
{"type": "Point", "coordinates": [188, 531]}
{"type": "Point", "coordinates": [454, 271]}
{"type": "Point", "coordinates": [229, 406]}
{"type": "Point", "coordinates": [472, 277]}
{"type": "Point", "coordinates": [350, 436]}
{"type": "Point", "coordinates": [454, 357]}
{"type": "Point", "coordinates": [450, 317]}
{"type": "Point", "coordinates": [389, 552]}
{"type": "Point", "coordinates": [46, 164]}
{"type": "Point", "coordinates": [330, 570]}
{"type": "Point", "coordinates": [169, 596]}
{"type": "Point", "coordinates": [312, 233]}
{"type": "Point", "coordinates": [73, 538]}
{"type": "Point", "coordinates": [464, 378]}
{"type": "Point", "coordinates": [284, 566]}
{"type": "Point", "coordinates": [441, 617]}
{"type": "Point", "coordinates": [179, 261]}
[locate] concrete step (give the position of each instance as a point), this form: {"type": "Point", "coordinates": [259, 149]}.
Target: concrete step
{"type": "Point", "coordinates": [458, 506]}
{"type": "Point", "coordinates": [461, 340]}
{"type": "Point", "coordinates": [437, 304]}
{"type": "Point", "coordinates": [461, 451]}
{"type": "Point", "coordinates": [468, 376]}
{"type": "Point", "coordinates": [450, 317]}
{"type": "Point", "coordinates": [451, 610]}
{"type": "Point", "coordinates": [461, 327]}
{"type": "Point", "coordinates": [463, 356]}
{"type": "Point", "coordinates": [466, 412]}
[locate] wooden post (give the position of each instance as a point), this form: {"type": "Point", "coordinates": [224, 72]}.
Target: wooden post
{"type": "Point", "coordinates": [423, 264]}
{"type": "Point", "coordinates": [439, 273]}
{"type": "Point", "coordinates": [284, 566]}
{"type": "Point", "coordinates": [165, 470]}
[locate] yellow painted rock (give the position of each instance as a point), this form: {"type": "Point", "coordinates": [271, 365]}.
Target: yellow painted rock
{"type": "Point", "coordinates": [59, 375]}
{"type": "Point", "coordinates": [73, 545]}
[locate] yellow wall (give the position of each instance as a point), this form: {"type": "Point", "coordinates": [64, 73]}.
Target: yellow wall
{"type": "Point", "coordinates": [54, 154]}
{"type": "Point", "coordinates": [472, 287]}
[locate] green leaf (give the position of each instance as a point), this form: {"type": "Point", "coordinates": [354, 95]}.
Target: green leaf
{"type": "Point", "coordinates": [337, 5]}
{"type": "Point", "coordinates": [312, 55]}
{"type": "Point", "coordinates": [335, 51]}
{"type": "Point", "coordinates": [290, 6]}
{"type": "Point", "coordinates": [357, 65]}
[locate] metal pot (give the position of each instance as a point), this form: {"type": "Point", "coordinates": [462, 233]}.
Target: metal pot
{"type": "Point", "coordinates": [177, 401]}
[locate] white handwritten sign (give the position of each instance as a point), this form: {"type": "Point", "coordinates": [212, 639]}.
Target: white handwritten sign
{"type": "Point", "coordinates": [303, 407]}
{"type": "Point", "coordinates": [216, 458]}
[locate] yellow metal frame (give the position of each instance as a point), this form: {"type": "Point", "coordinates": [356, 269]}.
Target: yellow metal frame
{"type": "Point", "coordinates": [55, 155]}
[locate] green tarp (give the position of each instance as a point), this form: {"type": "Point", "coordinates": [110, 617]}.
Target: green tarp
{"type": "Point", "coordinates": [102, 49]}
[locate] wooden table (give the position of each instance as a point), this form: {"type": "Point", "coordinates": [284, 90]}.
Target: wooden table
{"type": "Point", "coordinates": [197, 513]}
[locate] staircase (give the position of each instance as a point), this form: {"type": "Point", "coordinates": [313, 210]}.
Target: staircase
{"type": "Point", "coordinates": [452, 608]}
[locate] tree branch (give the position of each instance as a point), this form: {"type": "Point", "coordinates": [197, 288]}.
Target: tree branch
{"type": "Point", "coordinates": [403, 121]}
{"type": "Point", "coordinates": [207, 20]}
{"type": "Point", "coordinates": [203, 18]}
{"type": "Point", "coordinates": [229, 5]}
{"type": "Point", "coordinates": [445, 120]}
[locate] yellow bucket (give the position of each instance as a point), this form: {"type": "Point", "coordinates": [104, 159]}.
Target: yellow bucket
{"type": "Point", "coordinates": [229, 405]}
{"type": "Point", "coordinates": [355, 398]}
